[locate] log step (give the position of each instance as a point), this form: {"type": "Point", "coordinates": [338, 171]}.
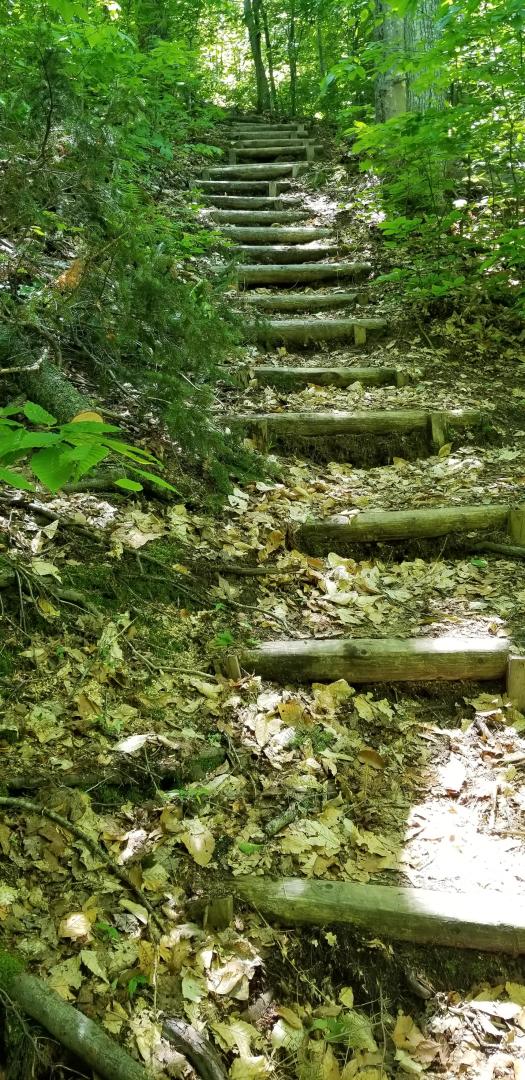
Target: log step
{"type": "Point", "coordinates": [268, 171]}
{"type": "Point", "coordinates": [306, 331]}
{"type": "Point", "coordinates": [279, 235]}
{"type": "Point", "coordinates": [258, 217]}
{"type": "Point", "coordinates": [309, 301]}
{"type": "Point", "coordinates": [285, 254]}
{"type": "Point", "coordinates": [378, 660]}
{"type": "Point", "coordinates": [287, 139]}
{"type": "Point", "coordinates": [293, 151]}
{"type": "Point", "coordinates": [292, 275]}
{"type": "Point", "coordinates": [478, 919]}
{"type": "Point", "coordinates": [297, 378]}
{"type": "Point", "coordinates": [265, 130]}
{"type": "Point", "coordinates": [264, 202]}
{"type": "Point", "coordinates": [226, 187]}
{"type": "Point", "coordinates": [340, 533]}
{"type": "Point", "coordinates": [368, 422]}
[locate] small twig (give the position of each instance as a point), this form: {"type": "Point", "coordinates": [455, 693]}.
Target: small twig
{"type": "Point", "coordinates": [29, 807]}
{"type": "Point", "coordinates": [22, 368]}
{"type": "Point", "coordinates": [252, 571]}
{"type": "Point", "coordinates": [198, 1050]}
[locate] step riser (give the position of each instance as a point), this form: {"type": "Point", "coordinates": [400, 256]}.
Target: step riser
{"type": "Point", "coordinates": [231, 202]}
{"type": "Point", "coordinates": [300, 303]}
{"type": "Point", "coordinates": [276, 236]}
{"type": "Point", "coordinates": [302, 332]}
{"type": "Point", "coordinates": [320, 538]}
{"type": "Point", "coordinates": [287, 277]}
{"type": "Point", "coordinates": [271, 153]}
{"type": "Point", "coordinates": [296, 379]}
{"type": "Point", "coordinates": [255, 172]}
{"type": "Point", "coordinates": [254, 253]}
{"type": "Point", "coordinates": [247, 144]}
{"type": "Point", "coordinates": [258, 217]}
{"type": "Point", "coordinates": [243, 187]}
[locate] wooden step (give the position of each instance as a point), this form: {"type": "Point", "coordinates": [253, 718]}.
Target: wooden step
{"type": "Point", "coordinates": [247, 142]}
{"type": "Point", "coordinates": [293, 275]}
{"type": "Point", "coordinates": [251, 218]}
{"type": "Point", "coordinates": [268, 171]}
{"type": "Point", "coordinates": [380, 526]}
{"type": "Point", "coordinates": [378, 660]}
{"type": "Point", "coordinates": [255, 203]}
{"type": "Point", "coordinates": [364, 439]}
{"type": "Point", "coordinates": [279, 235]}
{"type": "Point", "coordinates": [297, 378]}
{"type": "Point", "coordinates": [266, 131]}
{"type": "Point", "coordinates": [306, 331]}
{"type": "Point", "coordinates": [241, 187]}
{"type": "Point", "coordinates": [480, 919]}
{"type": "Point", "coordinates": [304, 151]}
{"type": "Point", "coordinates": [308, 301]}
{"type": "Point", "coordinates": [285, 254]}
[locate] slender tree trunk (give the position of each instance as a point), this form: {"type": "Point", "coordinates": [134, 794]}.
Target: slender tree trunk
{"type": "Point", "coordinates": [274, 104]}
{"type": "Point", "coordinates": [292, 59]}
{"type": "Point", "coordinates": [253, 23]}
{"type": "Point", "coordinates": [391, 86]}
{"type": "Point", "coordinates": [320, 44]}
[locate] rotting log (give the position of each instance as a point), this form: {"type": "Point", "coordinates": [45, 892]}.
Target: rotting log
{"type": "Point", "coordinates": [300, 272]}
{"type": "Point", "coordinates": [309, 301]}
{"type": "Point", "coordinates": [267, 171]}
{"type": "Point", "coordinates": [305, 331]}
{"type": "Point", "coordinates": [251, 202]}
{"type": "Point", "coordinates": [268, 235]}
{"type": "Point", "coordinates": [369, 422]}
{"type": "Point", "coordinates": [296, 378]}
{"type": "Point", "coordinates": [478, 919]}
{"type": "Point", "coordinates": [257, 217]}
{"type": "Point", "coordinates": [321, 537]}
{"type": "Point", "coordinates": [369, 660]}
{"type": "Point", "coordinates": [84, 1038]}
{"type": "Point", "coordinates": [287, 255]}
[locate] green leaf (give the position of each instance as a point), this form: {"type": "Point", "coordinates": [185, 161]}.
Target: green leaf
{"type": "Point", "coordinates": [52, 468]}
{"type": "Point", "coordinates": [128, 485]}
{"type": "Point", "coordinates": [37, 415]}
{"type": "Point", "coordinates": [16, 480]}
{"type": "Point", "coordinates": [154, 479]}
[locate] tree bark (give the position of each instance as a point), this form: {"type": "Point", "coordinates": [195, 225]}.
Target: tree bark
{"type": "Point", "coordinates": [49, 387]}
{"type": "Point", "coordinates": [274, 102]}
{"type": "Point", "coordinates": [252, 10]}
{"type": "Point", "coordinates": [391, 86]}
{"type": "Point", "coordinates": [292, 59]}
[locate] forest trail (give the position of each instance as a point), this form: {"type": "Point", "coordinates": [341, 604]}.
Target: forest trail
{"type": "Point", "coordinates": [314, 294]}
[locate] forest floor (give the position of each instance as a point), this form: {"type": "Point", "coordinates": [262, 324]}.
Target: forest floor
{"type": "Point", "coordinates": [117, 716]}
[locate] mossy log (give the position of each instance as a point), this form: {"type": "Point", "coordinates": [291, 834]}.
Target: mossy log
{"type": "Point", "coordinates": [257, 217]}
{"type": "Point", "coordinates": [253, 202]}
{"type": "Point", "coordinates": [233, 187]}
{"type": "Point", "coordinates": [84, 1038]}
{"type": "Point", "coordinates": [305, 331]}
{"type": "Point", "coordinates": [321, 537]}
{"type": "Point", "coordinates": [50, 388]}
{"type": "Point", "coordinates": [282, 142]}
{"type": "Point", "coordinates": [309, 301]}
{"type": "Point", "coordinates": [267, 171]}
{"type": "Point", "coordinates": [299, 273]}
{"type": "Point", "coordinates": [370, 660]}
{"type": "Point", "coordinates": [277, 254]}
{"type": "Point", "coordinates": [478, 919]}
{"type": "Point", "coordinates": [296, 378]}
{"type": "Point", "coordinates": [278, 235]}
{"type": "Point", "coordinates": [293, 151]}
{"type": "Point", "coordinates": [369, 422]}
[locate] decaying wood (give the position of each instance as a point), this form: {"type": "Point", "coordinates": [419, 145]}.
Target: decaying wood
{"type": "Point", "coordinates": [296, 378]}
{"type": "Point", "coordinates": [305, 331]}
{"type": "Point", "coordinates": [369, 422]}
{"type": "Point", "coordinates": [82, 1036]}
{"type": "Point", "coordinates": [478, 919]}
{"type": "Point", "coordinates": [198, 1050]}
{"type": "Point", "coordinates": [511, 551]}
{"type": "Point", "coordinates": [321, 537]}
{"type": "Point", "coordinates": [380, 660]}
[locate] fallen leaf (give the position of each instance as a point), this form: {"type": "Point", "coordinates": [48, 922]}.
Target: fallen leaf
{"type": "Point", "coordinates": [198, 840]}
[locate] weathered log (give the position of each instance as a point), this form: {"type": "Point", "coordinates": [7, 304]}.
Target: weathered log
{"type": "Point", "coordinates": [301, 272]}
{"type": "Point", "coordinates": [478, 919]}
{"type": "Point", "coordinates": [296, 378]}
{"type": "Point", "coordinates": [248, 142]}
{"type": "Point", "coordinates": [321, 537]}
{"type": "Point", "coordinates": [305, 151]}
{"type": "Point", "coordinates": [368, 422]}
{"type": "Point", "coordinates": [285, 254]}
{"type": "Point", "coordinates": [309, 301]}
{"type": "Point", "coordinates": [234, 187]}
{"type": "Point", "coordinates": [268, 171]}
{"type": "Point", "coordinates": [279, 235]}
{"type": "Point", "coordinates": [50, 388]}
{"type": "Point", "coordinates": [82, 1036]}
{"type": "Point", "coordinates": [257, 217]}
{"type": "Point", "coordinates": [369, 660]}
{"type": "Point", "coordinates": [304, 331]}
{"type": "Point", "coordinates": [252, 202]}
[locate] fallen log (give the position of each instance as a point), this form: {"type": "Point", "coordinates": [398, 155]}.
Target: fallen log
{"type": "Point", "coordinates": [296, 378]}
{"type": "Point", "coordinates": [82, 1036]}
{"type": "Point", "coordinates": [305, 331]}
{"type": "Point", "coordinates": [50, 388]}
{"type": "Point", "coordinates": [257, 217]}
{"type": "Point", "coordinates": [265, 235]}
{"type": "Point", "coordinates": [321, 537]}
{"type": "Point", "coordinates": [283, 254]}
{"type": "Point", "coordinates": [370, 660]}
{"type": "Point", "coordinates": [478, 919]}
{"type": "Point", "coordinates": [309, 301]}
{"type": "Point", "coordinates": [300, 272]}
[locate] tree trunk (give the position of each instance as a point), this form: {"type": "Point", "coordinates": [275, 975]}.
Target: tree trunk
{"type": "Point", "coordinates": [421, 33]}
{"type": "Point", "coordinates": [274, 104]}
{"type": "Point", "coordinates": [391, 85]}
{"type": "Point", "coordinates": [292, 59]}
{"type": "Point", "coordinates": [51, 389]}
{"type": "Point", "coordinates": [251, 17]}
{"type": "Point", "coordinates": [320, 43]}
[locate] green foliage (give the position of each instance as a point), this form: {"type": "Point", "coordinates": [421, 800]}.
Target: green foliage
{"type": "Point", "coordinates": [62, 454]}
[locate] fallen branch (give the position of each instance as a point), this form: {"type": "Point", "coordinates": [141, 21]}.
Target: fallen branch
{"type": "Point", "coordinates": [513, 551]}
{"type": "Point", "coordinates": [198, 1050]}
{"type": "Point", "coordinates": [82, 1036]}
{"type": "Point", "coordinates": [29, 807]}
